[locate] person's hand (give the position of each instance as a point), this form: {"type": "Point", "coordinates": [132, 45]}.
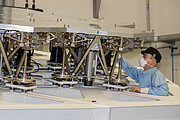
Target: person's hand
{"type": "Point", "coordinates": [135, 89]}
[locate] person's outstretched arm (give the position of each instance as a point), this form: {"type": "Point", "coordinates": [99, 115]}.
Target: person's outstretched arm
{"type": "Point", "coordinates": [132, 71]}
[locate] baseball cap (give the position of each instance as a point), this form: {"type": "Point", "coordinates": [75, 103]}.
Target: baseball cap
{"type": "Point", "coordinates": [154, 52]}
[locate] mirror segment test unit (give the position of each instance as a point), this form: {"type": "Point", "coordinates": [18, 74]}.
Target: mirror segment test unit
{"type": "Point", "coordinates": [58, 67]}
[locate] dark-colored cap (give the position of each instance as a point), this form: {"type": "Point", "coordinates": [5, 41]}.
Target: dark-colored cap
{"type": "Point", "coordinates": [154, 52]}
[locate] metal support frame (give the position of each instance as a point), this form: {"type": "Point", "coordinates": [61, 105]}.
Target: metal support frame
{"type": "Point", "coordinates": [1, 57]}
{"type": "Point", "coordinates": [84, 56]}
{"type": "Point", "coordinates": [20, 64]}
{"type": "Point", "coordinates": [103, 57]}
{"type": "Point", "coordinates": [68, 55]}
{"type": "Point", "coordinates": [11, 55]}
{"type": "Point", "coordinates": [74, 54]}
{"type": "Point", "coordinates": [75, 57]}
{"type": "Point", "coordinates": [114, 63]}
{"type": "Point", "coordinates": [107, 52]}
{"type": "Point", "coordinates": [62, 71]}
{"type": "Point", "coordinates": [67, 64]}
{"type": "Point", "coordinates": [96, 40]}
{"type": "Point", "coordinates": [101, 63]}
{"type": "Point", "coordinates": [5, 58]}
{"type": "Point", "coordinates": [119, 76]}
{"type": "Point", "coordinates": [25, 66]}
{"type": "Point", "coordinates": [23, 36]}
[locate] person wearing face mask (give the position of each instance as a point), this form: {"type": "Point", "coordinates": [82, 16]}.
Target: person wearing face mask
{"type": "Point", "coordinates": [151, 80]}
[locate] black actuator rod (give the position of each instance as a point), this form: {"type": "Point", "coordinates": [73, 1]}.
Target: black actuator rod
{"type": "Point", "coordinates": [33, 5]}
{"type": "Point", "coordinates": [26, 5]}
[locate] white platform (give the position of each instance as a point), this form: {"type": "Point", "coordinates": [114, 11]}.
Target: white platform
{"type": "Point", "coordinates": [95, 103]}
{"type": "Point", "coordinates": [20, 87]}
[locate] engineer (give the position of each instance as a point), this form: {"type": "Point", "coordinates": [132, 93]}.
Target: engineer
{"type": "Point", "coordinates": [151, 80]}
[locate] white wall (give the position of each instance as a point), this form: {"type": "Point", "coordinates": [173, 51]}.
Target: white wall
{"type": "Point", "coordinates": [164, 13]}
{"type": "Point", "coordinates": [73, 8]}
{"type": "Point", "coordinates": [124, 12]}
{"type": "Point", "coordinates": [121, 12]}
{"type": "Point", "coordinates": [165, 16]}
